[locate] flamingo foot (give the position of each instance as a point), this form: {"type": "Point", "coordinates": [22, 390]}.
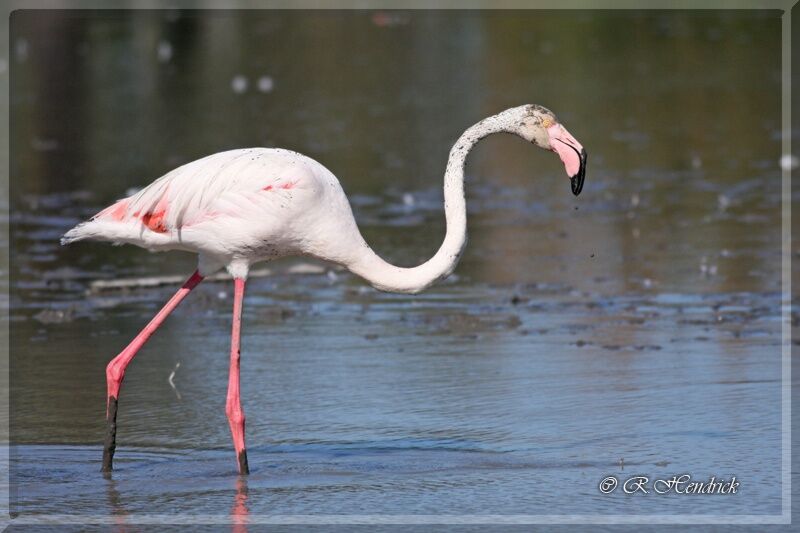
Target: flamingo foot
{"type": "Point", "coordinates": [110, 445]}
{"type": "Point", "coordinates": [244, 469]}
{"type": "Point", "coordinates": [236, 420]}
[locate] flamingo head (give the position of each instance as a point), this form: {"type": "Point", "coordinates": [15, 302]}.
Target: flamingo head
{"type": "Point", "coordinates": [539, 125]}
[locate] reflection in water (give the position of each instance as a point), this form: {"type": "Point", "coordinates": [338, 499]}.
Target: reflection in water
{"type": "Point", "coordinates": [115, 503]}
{"type": "Point", "coordinates": [239, 509]}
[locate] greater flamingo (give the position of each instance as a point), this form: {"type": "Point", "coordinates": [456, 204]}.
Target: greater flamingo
{"type": "Point", "coordinates": [240, 207]}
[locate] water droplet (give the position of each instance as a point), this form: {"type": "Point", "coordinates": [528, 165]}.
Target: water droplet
{"type": "Point", "coordinates": [21, 49]}
{"type": "Point", "coordinates": [239, 84]}
{"type": "Point", "coordinates": [266, 84]}
{"type": "Point", "coordinates": [385, 19]}
{"type": "Point", "coordinates": [164, 51]}
{"type": "Point", "coordinates": [44, 145]}
{"type": "Point", "coordinates": [789, 162]}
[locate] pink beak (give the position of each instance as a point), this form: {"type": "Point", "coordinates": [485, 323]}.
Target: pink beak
{"type": "Point", "coordinates": [572, 154]}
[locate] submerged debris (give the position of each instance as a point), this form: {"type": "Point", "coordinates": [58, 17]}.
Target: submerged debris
{"type": "Point", "coordinates": [157, 281]}
{"type": "Point", "coordinates": [55, 316]}
{"type": "Point", "coordinates": [465, 324]}
{"type": "Point", "coordinates": [172, 377]}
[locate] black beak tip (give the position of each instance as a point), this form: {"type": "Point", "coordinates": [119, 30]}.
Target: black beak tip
{"type": "Point", "coordinates": [577, 180]}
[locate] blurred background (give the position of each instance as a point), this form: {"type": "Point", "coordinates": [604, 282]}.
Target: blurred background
{"type": "Point", "coordinates": [638, 324]}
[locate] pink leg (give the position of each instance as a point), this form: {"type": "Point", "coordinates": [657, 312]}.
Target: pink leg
{"type": "Point", "coordinates": [233, 405]}
{"type": "Point", "coordinates": [115, 371]}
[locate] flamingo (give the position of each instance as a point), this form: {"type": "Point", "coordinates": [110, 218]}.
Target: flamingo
{"type": "Point", "coordinates": [244, 206]}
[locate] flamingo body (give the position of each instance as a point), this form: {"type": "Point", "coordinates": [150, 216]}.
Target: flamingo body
{"type": "Point", "coordinates": [235, 208]}
{"type": "Point", "coordinates": [240, 207]}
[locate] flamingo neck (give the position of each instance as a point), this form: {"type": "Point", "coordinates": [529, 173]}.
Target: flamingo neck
{"type": "Point", "coordinates": [387, 277]}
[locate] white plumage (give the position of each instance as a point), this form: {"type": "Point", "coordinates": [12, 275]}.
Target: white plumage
{"type": "Point", "coordinates": [240, 207]}
{"type": "Point", "coordinates": [234, 208]}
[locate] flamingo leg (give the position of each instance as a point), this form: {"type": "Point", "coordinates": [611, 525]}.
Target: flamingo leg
{"type": "Point", "coordinates": [233, 404]}
{"type": "Point", "coordinates": [115, 371]}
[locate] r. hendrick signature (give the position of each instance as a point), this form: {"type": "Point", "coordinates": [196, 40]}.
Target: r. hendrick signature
{"type": "Point", "coordinates": [679, 484]}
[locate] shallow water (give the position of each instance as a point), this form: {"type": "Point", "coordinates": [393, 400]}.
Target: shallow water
{"type": "Point", "coordinates": [474, 406]}
{"type": "Point", "coordinates": [632, 330]}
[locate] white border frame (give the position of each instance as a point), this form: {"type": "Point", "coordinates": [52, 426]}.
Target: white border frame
{"type": "Point", "coordinates": [199, 519]}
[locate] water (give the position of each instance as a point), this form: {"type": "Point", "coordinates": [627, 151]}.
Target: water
{"type": "Point", "coordinates": [633, 330]}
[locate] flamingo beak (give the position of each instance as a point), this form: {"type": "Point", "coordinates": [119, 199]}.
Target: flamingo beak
{"type": "Point", "coordinates": [572, 154]}
{"type": "Point", "coordinates": [577, 180]}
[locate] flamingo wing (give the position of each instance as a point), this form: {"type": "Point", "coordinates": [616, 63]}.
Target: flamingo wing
{"type": "Point", "coordinates": [228, 194]}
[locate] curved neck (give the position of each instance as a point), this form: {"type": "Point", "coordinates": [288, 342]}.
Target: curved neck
{"type": "Point", "coordinates": [391, 278]}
